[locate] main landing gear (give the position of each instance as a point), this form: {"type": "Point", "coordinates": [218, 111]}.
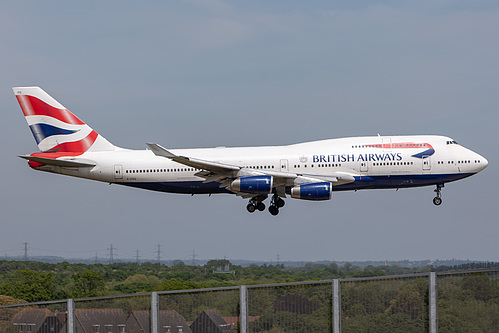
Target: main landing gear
{"type": "Point", "coordinates": [276, 203]}
{"type": "Point", "coordinates": [437, 201]}
{"type": "Point", "coordinates": [256, 203]}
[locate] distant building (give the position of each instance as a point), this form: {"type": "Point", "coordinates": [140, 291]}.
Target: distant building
{"type": "Point", "coordinates": [36, 321]}
{"type": "Point", "coordinates": [226, 270]}
{"type": "Point", "coordinates": [99, 321]}
{"type": "Point", "coordinates": [169, 321]}
{"type": "Point", "coordinates": [209, 321]}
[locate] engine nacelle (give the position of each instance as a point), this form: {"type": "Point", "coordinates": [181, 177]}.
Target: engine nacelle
{"type": "Point", "coordinates": [253, 184]}
{"type": "Point", "coordinates": [314, 191]}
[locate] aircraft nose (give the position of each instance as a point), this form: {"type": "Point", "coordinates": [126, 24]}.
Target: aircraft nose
{"type": "Point", "coordinates": [484, 162]}
{"type": "Point", "coordinates": [480, 162]}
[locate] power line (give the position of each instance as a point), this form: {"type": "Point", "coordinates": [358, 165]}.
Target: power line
{"type": "Point", "coordinates": [60, 250]}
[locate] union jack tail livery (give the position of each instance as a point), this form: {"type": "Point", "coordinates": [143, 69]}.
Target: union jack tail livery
{"type": "Point", "coordinates": [56, 130]}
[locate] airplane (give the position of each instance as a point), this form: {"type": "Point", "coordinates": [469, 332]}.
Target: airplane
{"type": "Point", "coordinates": [307, 171]}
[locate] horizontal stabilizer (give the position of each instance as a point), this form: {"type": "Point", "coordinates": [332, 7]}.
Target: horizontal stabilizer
{"type": "Point", "coordinates": [57, 162]}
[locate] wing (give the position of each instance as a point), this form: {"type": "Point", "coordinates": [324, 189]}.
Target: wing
{"type": "Point", "coordinates": [226, 173]}
{"type": "Point", "coordinates": [192, 162]}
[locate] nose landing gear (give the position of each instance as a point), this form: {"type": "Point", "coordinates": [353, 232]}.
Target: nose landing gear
{"type": "Point", "coordinates": [437, 201]}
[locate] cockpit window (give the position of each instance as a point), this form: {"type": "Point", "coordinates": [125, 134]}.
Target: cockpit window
{"type": "Point", "coordinates": [452, 142]}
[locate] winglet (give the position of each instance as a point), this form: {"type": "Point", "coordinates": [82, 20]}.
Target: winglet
{"type": "Point", "coordinates": [159, 151]}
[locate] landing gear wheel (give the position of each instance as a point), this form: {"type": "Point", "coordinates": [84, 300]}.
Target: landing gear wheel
{"type": "Point", "coordinates": [275, 204]}
{"type": "Point", "coordinates": [280, 203]}
{"type": "Point", "coordinates": [256, 203]}
{"type": "Point", "coordinates": [251, 208]}
{"type": "Point", "coordinates": [437, 201]}
{"type": "Point", "coordinates": [273, 210]}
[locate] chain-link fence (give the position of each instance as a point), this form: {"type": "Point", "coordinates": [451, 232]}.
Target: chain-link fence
{"type": "Point", "coordinates": [292, 307]}
{"type": "Point", "coordinates": [468, 302]}
{"type": "Point", "coordinates": [46, 317]}
{"type": "Point", "coordinates": [109, 314]}
{"type": "Point", "coordinates": [200, 309]}
{"type": "Point", "coordinates": [430, 302]}
{"type": "Point", "coordinates": [394, 304]}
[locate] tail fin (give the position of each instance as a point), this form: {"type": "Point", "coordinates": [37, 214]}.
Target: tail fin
{"type": "Point", "coordinates": [55, 128]}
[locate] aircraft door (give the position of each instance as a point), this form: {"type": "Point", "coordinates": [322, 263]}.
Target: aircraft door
{"type": "Point", "coordinates": [284, 165]}
{"type": "Point", "coordinates": [363, 166]}
{"type": "Point", "coordinates": [118, 171]}
{"type": "Point", "coordinates": [426, 163]}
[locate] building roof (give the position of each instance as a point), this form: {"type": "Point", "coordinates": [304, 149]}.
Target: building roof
{"type": "Point", "coordinates": [210, 321]}
{"type": "Point", "coordinates": [31, 315]}
{"type": "Point", "coordinates": [89, 319]}
{"type": "Point", "coordinates": [168, 319]}
{"type": "Point", "coordinates": [37, 320]}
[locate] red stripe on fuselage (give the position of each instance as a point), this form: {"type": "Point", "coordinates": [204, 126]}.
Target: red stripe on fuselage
{"type": "Point", "coordinates": [32, 106]}
{"type": "Point", "coordinates": [400, 145]}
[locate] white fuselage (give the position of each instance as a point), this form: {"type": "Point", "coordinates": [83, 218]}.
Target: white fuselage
{"type": "Point", "coordinates": [375, 162]}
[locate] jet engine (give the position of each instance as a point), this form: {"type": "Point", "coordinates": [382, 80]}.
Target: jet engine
{"type": "Point", "coordinates": [313, 191]}
{"type": "Point", "coordinates": [253, 184]}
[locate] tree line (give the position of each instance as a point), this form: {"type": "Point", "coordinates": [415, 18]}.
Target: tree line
{"type": "Point", "coordinates": [31, 281]}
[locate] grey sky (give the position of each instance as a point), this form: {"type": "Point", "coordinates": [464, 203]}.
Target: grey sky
{"type": "Point", "coordinates": [237, 73]}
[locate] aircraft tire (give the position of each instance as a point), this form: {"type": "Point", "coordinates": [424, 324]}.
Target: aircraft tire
{"type": "Point", "coordinates": [280, 203]}
{"type": "Point", "coordinates": [273, 210]}
{"type": "Point", "coordinates": [251, 208]}
{"type": "Point", "coordinates": [260, 206]}
{"type": "Point", "coordinates": [437, 201]}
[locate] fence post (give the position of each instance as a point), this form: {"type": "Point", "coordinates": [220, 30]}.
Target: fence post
{"type": "Point", "coordinates": [336, 306]}
{"type": "Point", "coordinates": [243, 315]}
{"type": "Point", "coordinates": [71, 316]}
{"type": "Point", "coordinates": [433, 303]}
{"type": "Point", "coordinates": [154, 312]}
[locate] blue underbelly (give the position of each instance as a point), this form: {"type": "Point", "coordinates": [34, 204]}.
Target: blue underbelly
{"type": "Point", "coordinates": [371, 182]}
{"type": "Point", "coordinates": [400, 181]}
{"type": "Point", "coordinates": [191, 187]}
